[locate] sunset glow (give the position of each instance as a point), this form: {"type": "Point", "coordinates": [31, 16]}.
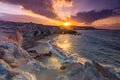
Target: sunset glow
{"type": "Point", "coordinates": [60, 39]}
{"type": "Point", "coordinates": [55, 12]}
{"type": "Point", "coordinates": [67, 24]}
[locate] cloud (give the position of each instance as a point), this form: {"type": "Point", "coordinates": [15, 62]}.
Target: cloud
{"type": "Point", "coordinates": [43, 7]}
{"type": "Point", "coordinates": [62, 3]}
{"type": "Point", "coordinates": [27, 18]}
{"type": "Point", "coordinates": [64, 9]}
{"type": "Point", "coordinates": [91, 16]}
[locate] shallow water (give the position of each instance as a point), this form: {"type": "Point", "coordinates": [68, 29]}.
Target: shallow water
{"type": "Point", "coordinates": [102, 46]}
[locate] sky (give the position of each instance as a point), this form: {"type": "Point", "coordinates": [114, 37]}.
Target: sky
{"type": "Point", "coordinates": [98, 13]}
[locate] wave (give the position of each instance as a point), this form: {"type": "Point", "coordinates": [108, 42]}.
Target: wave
{"type": "Point", "coordinates": [66, 56]}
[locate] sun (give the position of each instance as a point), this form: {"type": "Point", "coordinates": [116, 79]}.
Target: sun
{"type": "Point", "coordinates": [67, 24]}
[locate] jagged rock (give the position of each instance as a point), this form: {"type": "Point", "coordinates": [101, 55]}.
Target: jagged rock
{"type": "Point", "coordinates": [10, 60]}
{"type": "Point", "coordinates": [7, 73]}
{"type": "Point", "coordinates": [76, 71]}
{"type": "Point", "coordinates": [40, 57]}
{"type": "Point", "coordinates": [91, 73]}
{"type": "Point", "coordinates": [35, 66]}
{"type": "Point", "coordinates": [106, 72]}
{"type": "Point", "coordinates": [12, 53]}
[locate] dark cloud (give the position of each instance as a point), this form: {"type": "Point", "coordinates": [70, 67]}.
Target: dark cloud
{"type": "Point", "coordinates": [91, 16]}
{"type": "Point", "coordinates": [21, 18]}
{"type": "Point", "coordinates": [43, 7]}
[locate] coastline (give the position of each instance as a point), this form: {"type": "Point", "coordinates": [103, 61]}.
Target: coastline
{"type": "Point", "coordinates": [17, 62]}
{"type": "Point", "coordinates": [82, 61]}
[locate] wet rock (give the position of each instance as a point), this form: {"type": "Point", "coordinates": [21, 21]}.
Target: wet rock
{"type": "Point", "coordinates": [75, 71]}
{"type": "Point", "coordinates": [32, 51]}
{"type": "Point", "coordinates": [40, 57]}
{"type": "Point", "coordinates": [106, 71]}
{"type": "Point", "coordinates": [36, 66]}
{"type": "Point", "coordinates": [64, 65]}
{"type": "Point", "coordinates": [91, 73]}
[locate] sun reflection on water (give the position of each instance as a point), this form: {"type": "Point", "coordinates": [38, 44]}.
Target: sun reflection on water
{"type": "Point", "coordinates": [64, 42]}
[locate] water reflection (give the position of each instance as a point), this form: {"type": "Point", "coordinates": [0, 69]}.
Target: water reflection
{"type": "Point", "coordinates": [64, 42]}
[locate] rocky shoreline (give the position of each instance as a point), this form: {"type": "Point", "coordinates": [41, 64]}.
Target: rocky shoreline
{"type": "Point", "coordinates": [16, 63]}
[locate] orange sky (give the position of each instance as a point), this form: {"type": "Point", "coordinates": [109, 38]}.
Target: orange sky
{"type": "Point", "coordinates": [64, 10]}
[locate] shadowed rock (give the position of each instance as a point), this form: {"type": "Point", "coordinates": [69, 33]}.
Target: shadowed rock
{"type": "Point", "coordinates": [7, 73]}
{"type": "Point", "coordinates": [105, 72]}
{"type": "Point", "coordinates": [91, 73]}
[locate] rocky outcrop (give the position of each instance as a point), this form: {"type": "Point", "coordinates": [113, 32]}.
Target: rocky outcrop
{"type": "Point", "coordinates": [17, 64]}
{"type": "Point", "coordinates": [26, 33]}
{"type": "Point", "coordinates": [91, 73]}
{"type": "Point", "coordinates": [8, 73]}
{"type": "Point", "coordinates": [13, 58]}
{"type": "Point", "coordinates": [106, 72]}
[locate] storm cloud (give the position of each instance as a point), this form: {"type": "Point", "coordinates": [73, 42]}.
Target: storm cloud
{"type": "Point", "coordinates": [91, 16]}
{"type": "Point", "coordinates": [43, 7]}
{"type": "Point", "coordinates": [82, 11]}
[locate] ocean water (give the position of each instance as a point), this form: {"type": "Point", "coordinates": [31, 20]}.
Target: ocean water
{"type": "Point", "coordinates": [102, 46]}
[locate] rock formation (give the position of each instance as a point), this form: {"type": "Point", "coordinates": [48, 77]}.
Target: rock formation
{"type": "Point", "coordinates": [14, 36]}
{"type": "Point", "coordinates": [17, 64]}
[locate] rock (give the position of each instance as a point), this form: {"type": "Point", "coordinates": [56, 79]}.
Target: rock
{"type": "Point", "coordinates": [76, 72]}
{"type": "Point", "coordinates": [91, 73]}
{"type": "Point", "coordinates": [32, 51]}
{"type": "Point", "coordinates": [1, 53]}
{"type": "Point", "coordinates": [63, 67]}
{"type": "Point", "coordinates": [36, 66]}
{"type": "Point", "coordinates": [24, 76]}
{"type": "Point", "coordinates": [40, 57]}
{"type": "Point", "coordinates": [11, 53]}
{"type": "Point", "coordinates": [68, 32]}
{"type": "Point", "coordinates": [106, 72]}
{"type": "Point", "coordinates": [10, 60]}
{"type": "Point", "coordinates": [14, 39]}
{"type": "Point", "coordinates": [7, 73]}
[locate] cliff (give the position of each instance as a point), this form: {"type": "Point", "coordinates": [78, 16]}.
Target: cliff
{"type": "Point", "coordinates": [13, 38]}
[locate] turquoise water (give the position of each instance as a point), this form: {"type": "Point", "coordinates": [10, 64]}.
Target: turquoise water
{"type": "Point", "coordinates": [102, 46]}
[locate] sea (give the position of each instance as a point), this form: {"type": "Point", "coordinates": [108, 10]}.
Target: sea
{"type": "Point", "coordinates": [102, 46]}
